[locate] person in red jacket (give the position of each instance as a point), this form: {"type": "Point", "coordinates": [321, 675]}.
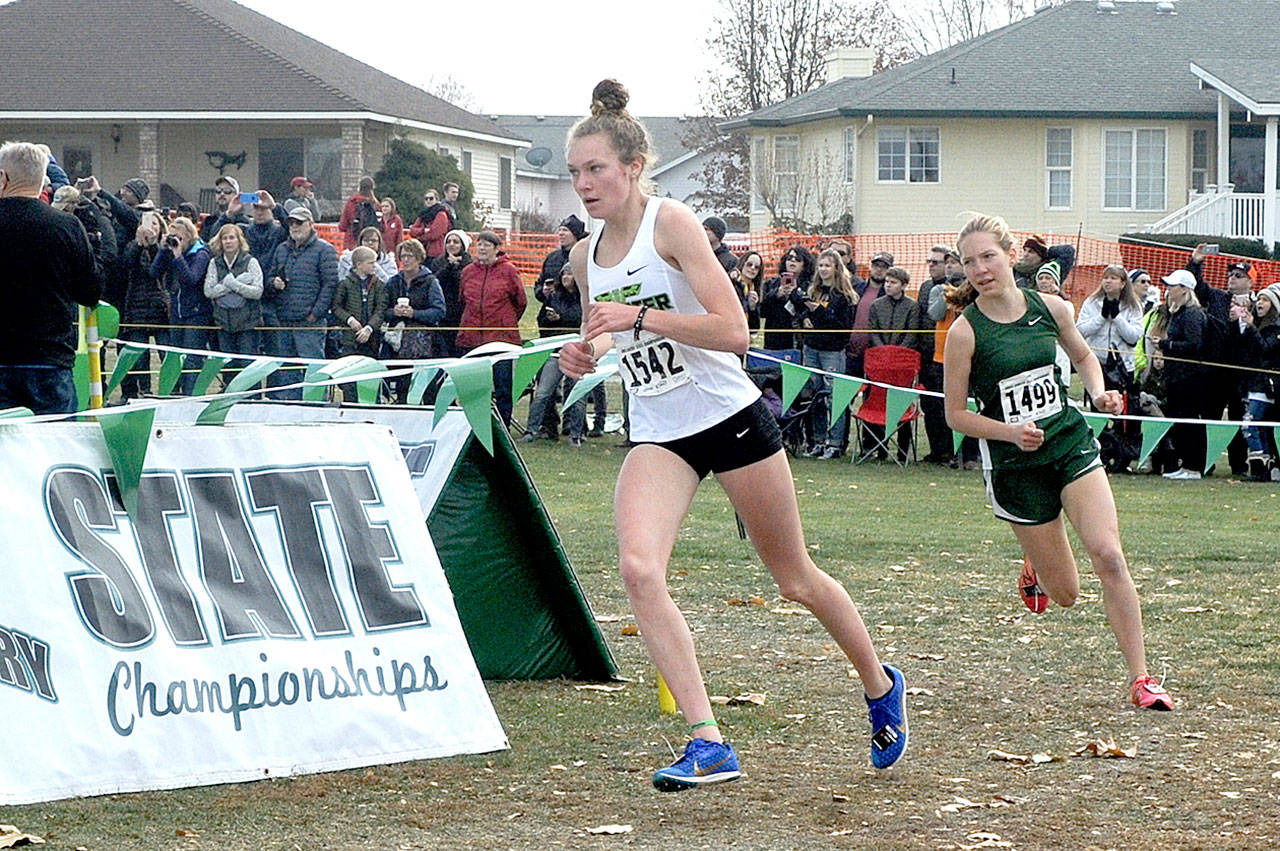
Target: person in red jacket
{"type": "Point", "coordinates": [360, 212]}
{"type": "Point", "coordinates": [493, 300]}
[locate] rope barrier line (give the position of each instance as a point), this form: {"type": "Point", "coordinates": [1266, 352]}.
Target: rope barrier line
{"type": "Point", "coordinates": [938, 395]}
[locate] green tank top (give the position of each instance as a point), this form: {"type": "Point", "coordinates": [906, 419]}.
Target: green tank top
{"type": "Point", "coordinates": [1014, 380]}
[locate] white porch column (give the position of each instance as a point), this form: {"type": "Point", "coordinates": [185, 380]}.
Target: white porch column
{"type": "Point", "coordinates": [1224, 140]}
{"type": "Point", "coordinates": [1269, 186]}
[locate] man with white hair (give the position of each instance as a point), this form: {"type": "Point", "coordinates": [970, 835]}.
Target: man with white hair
{"type": "Point", "coordinates": [47, 266]}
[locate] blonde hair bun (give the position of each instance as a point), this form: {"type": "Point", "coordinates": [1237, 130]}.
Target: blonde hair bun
{"type": "Point", "coordinates": [609, 96]}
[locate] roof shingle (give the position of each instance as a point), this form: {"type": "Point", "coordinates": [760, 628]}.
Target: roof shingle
{"type": "Point", "coordinates": [192, 55]}
{"type": "Point", "coordinates": [1067, 60]}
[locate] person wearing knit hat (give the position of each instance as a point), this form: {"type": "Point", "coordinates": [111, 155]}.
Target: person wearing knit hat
{"type": "Point", "coordinates": [575, 226]}
{"type": "Point", "coordinates": [1049, 278]}
{"type": "Point", "coordinates": [1039, 244]}
{"type": "Point", "coordinates": [716, 229]}
{"type": "Point", "coordinates": [134, 191]}
{"type": "Point", "coordinates": [448, 271]}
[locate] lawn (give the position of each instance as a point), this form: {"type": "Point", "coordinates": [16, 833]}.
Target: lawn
{"type": "Point", "coordinates": [933, 574]}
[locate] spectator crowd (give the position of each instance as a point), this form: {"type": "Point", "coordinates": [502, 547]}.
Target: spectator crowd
{"type": "Point", "coordinates": [254, 278]}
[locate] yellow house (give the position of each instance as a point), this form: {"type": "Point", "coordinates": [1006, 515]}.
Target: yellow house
{"type": "Point", "coordinates": [1082, 116]}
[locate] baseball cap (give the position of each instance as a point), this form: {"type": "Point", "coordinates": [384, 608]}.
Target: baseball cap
{"type": "Point", "coordinates": [1180, 278]}
{"type": "Point", "coordinates": [882, 257]}
{"type": "Point", "coordinates": [1242, 266]}
{"type": "Point", "coordinates": [230, 181]}
{"type": "Point", "coordinates": [299, 181]}
{"type": "Point", "coordinates": [301, 213]}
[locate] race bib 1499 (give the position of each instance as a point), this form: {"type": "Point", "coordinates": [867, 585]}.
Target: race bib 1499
{"type": "Point", "coordinates": [1031, 395]}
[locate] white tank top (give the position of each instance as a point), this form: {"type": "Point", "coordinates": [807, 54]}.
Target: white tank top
{"type": "Point", "coordinates": [676, 389]}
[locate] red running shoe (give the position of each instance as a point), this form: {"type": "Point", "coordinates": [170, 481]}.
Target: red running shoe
{"type": "Point", "coordinates": [1029, 588]}
{"type": "Point", "coordinates": [1147, 693]}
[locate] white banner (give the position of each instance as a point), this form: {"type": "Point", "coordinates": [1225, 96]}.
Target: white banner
{"type": "Point", "coordinates": [278, 608]}
{"type": "Point", "coordinates": [430, 449]}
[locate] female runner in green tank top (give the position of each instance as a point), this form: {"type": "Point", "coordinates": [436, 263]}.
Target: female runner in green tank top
{"type": "Point", "coordinates": [1040, 458]}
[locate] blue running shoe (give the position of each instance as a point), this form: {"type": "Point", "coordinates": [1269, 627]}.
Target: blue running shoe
{"type": "Point", "coordinates": [703, 762]}
{"type": "Point", "coordinates": [889, 721]}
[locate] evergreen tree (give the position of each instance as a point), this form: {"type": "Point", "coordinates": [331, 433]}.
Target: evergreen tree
{"type": "Point", "coordinates": [411, 168]}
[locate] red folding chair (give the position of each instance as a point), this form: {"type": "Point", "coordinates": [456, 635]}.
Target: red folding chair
{"type": "Point", "coordinates": [898, 366]}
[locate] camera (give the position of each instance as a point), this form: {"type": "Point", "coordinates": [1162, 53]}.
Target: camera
{"type": "Point", "coordinates": [250, 198]}
{"type": "Point", "coordinates": [1213, 248]}
{"type": "Point", "coordinates": [172, 241]}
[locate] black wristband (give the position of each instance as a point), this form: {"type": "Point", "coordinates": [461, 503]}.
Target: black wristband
{"type": "Point", "coordinates": [639, 324]}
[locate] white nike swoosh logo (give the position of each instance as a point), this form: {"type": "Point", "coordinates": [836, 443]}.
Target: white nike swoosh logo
{"type": "Point", "coordinates": [1034, 321]}
{"type": "Point", "coordinates": [743, 432]}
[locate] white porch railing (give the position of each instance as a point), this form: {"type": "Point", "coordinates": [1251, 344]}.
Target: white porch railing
{"type": "Point", "coordinates": [1219, 211]}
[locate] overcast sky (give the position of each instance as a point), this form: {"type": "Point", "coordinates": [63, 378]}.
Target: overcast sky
{"type": "Point", "coordinates": [516, 57]}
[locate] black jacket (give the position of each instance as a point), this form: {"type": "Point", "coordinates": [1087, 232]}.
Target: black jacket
{"type": "Point", "coordinates": [1185, 346]}
{"type": "Point", "coordinates": [450, 277]}
{"type": "Point", "coordinates": [47, 268]}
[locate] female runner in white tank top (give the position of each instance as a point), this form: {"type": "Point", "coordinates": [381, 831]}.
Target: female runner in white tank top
{"type": "Point", "coordinates": [655, 291]}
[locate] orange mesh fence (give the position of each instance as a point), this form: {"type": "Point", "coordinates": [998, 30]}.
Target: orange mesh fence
{"type": "Point", "coordinates": [910, 251]}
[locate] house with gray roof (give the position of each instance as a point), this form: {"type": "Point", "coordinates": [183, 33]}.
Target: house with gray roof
{"type": "Point", "coordinates": [180, 91]}
{"type": "Point", "coordinates": [542, 177]}
{"type": "Point", "coordinates": [1106, 116]}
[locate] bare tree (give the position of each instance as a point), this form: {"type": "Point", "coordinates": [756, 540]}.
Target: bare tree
{"type": "Point", "coordinates": [767, 51]}
{"type": "Point", "coordinates": [812, 198]}
{"type": "Point", "coordinates": [941, 23]}
{"type": "Point", "coordinates": [449, 88]}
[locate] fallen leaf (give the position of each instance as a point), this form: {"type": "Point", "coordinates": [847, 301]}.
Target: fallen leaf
{"type": "Point", "coordinates": [630, 629]}
{"type": "Point", "coordinates": [932, 657]}
{"type": "Point", "coordinates": [608, 618]}
{"type": "Point", "coordinates": [736, 601]}
{"type": "Point", "coordinates": [756, 600]}
{"type": "Point", "coordinates": [190, 834]}
{"type": "Point", "coordinates": [747, 698]}
{"type": "Point", "coordinates": [596, 687]}
{"type": "Point", "coordinates": [610, 829]}
{"type": "Point", "coordinates": [1232, 795]}
{"type": "Point", "coordinates": [960, 804]}
{"type": "Point", "coordinates": [11, 837]}
{"type": "Point", "coordinates": [985, 840]}
{"type": "Point", "coordinates": [1107, 749]}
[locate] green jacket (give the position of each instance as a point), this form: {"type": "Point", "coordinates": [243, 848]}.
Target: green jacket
{"type": "Point", "coordinates": [367, 301]}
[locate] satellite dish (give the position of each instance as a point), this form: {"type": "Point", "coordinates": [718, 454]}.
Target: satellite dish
{"type": "Point", "coordinates": [538, 157]}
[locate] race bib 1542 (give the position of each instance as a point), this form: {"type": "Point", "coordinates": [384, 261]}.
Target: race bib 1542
{"type": "Point", "coordinates": [653, 365]}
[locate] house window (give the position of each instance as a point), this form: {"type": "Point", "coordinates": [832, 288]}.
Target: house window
{"type": "Point", "coordinates": [758, 167]}
{"type": "Point", "coordinates": [910, 155]}
{"type": "Point", "coordinates": [442, 149]}
{"type": "Point", "coordinates": [1199, 159]}
{"type": "Point", "coordinates": [1057, 163]}
{"type": "Point", "coordinates": [466, 163]}
{"type": "Point", "coordinates": [504, 182]}
{"type": "Point", "coordinates": [786, 170]}
{"type": "Point", "coordinates": [1133, 170]}
{"type": "Point", "coordinates": [848, 154]}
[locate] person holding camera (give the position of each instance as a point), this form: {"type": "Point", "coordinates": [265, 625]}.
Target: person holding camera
{"type": "Point", "coordinates": [180, 268]}
{"type": "Point", "coordinates": [783, 299]}
{"type": "Point", "coordinates": [145, 314]}
{"type": "Point", "coordinates": [828, 314]}
{"type": "Point", "coordinates": [232, 205]}
{"type": "Point", "coordinates": [48, 268]}
{"type": "Point", "coordinates": [561, 310]}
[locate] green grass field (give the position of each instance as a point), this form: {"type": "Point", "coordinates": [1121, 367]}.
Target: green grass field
{"type": "Point", "coordinates": [933, 574]}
